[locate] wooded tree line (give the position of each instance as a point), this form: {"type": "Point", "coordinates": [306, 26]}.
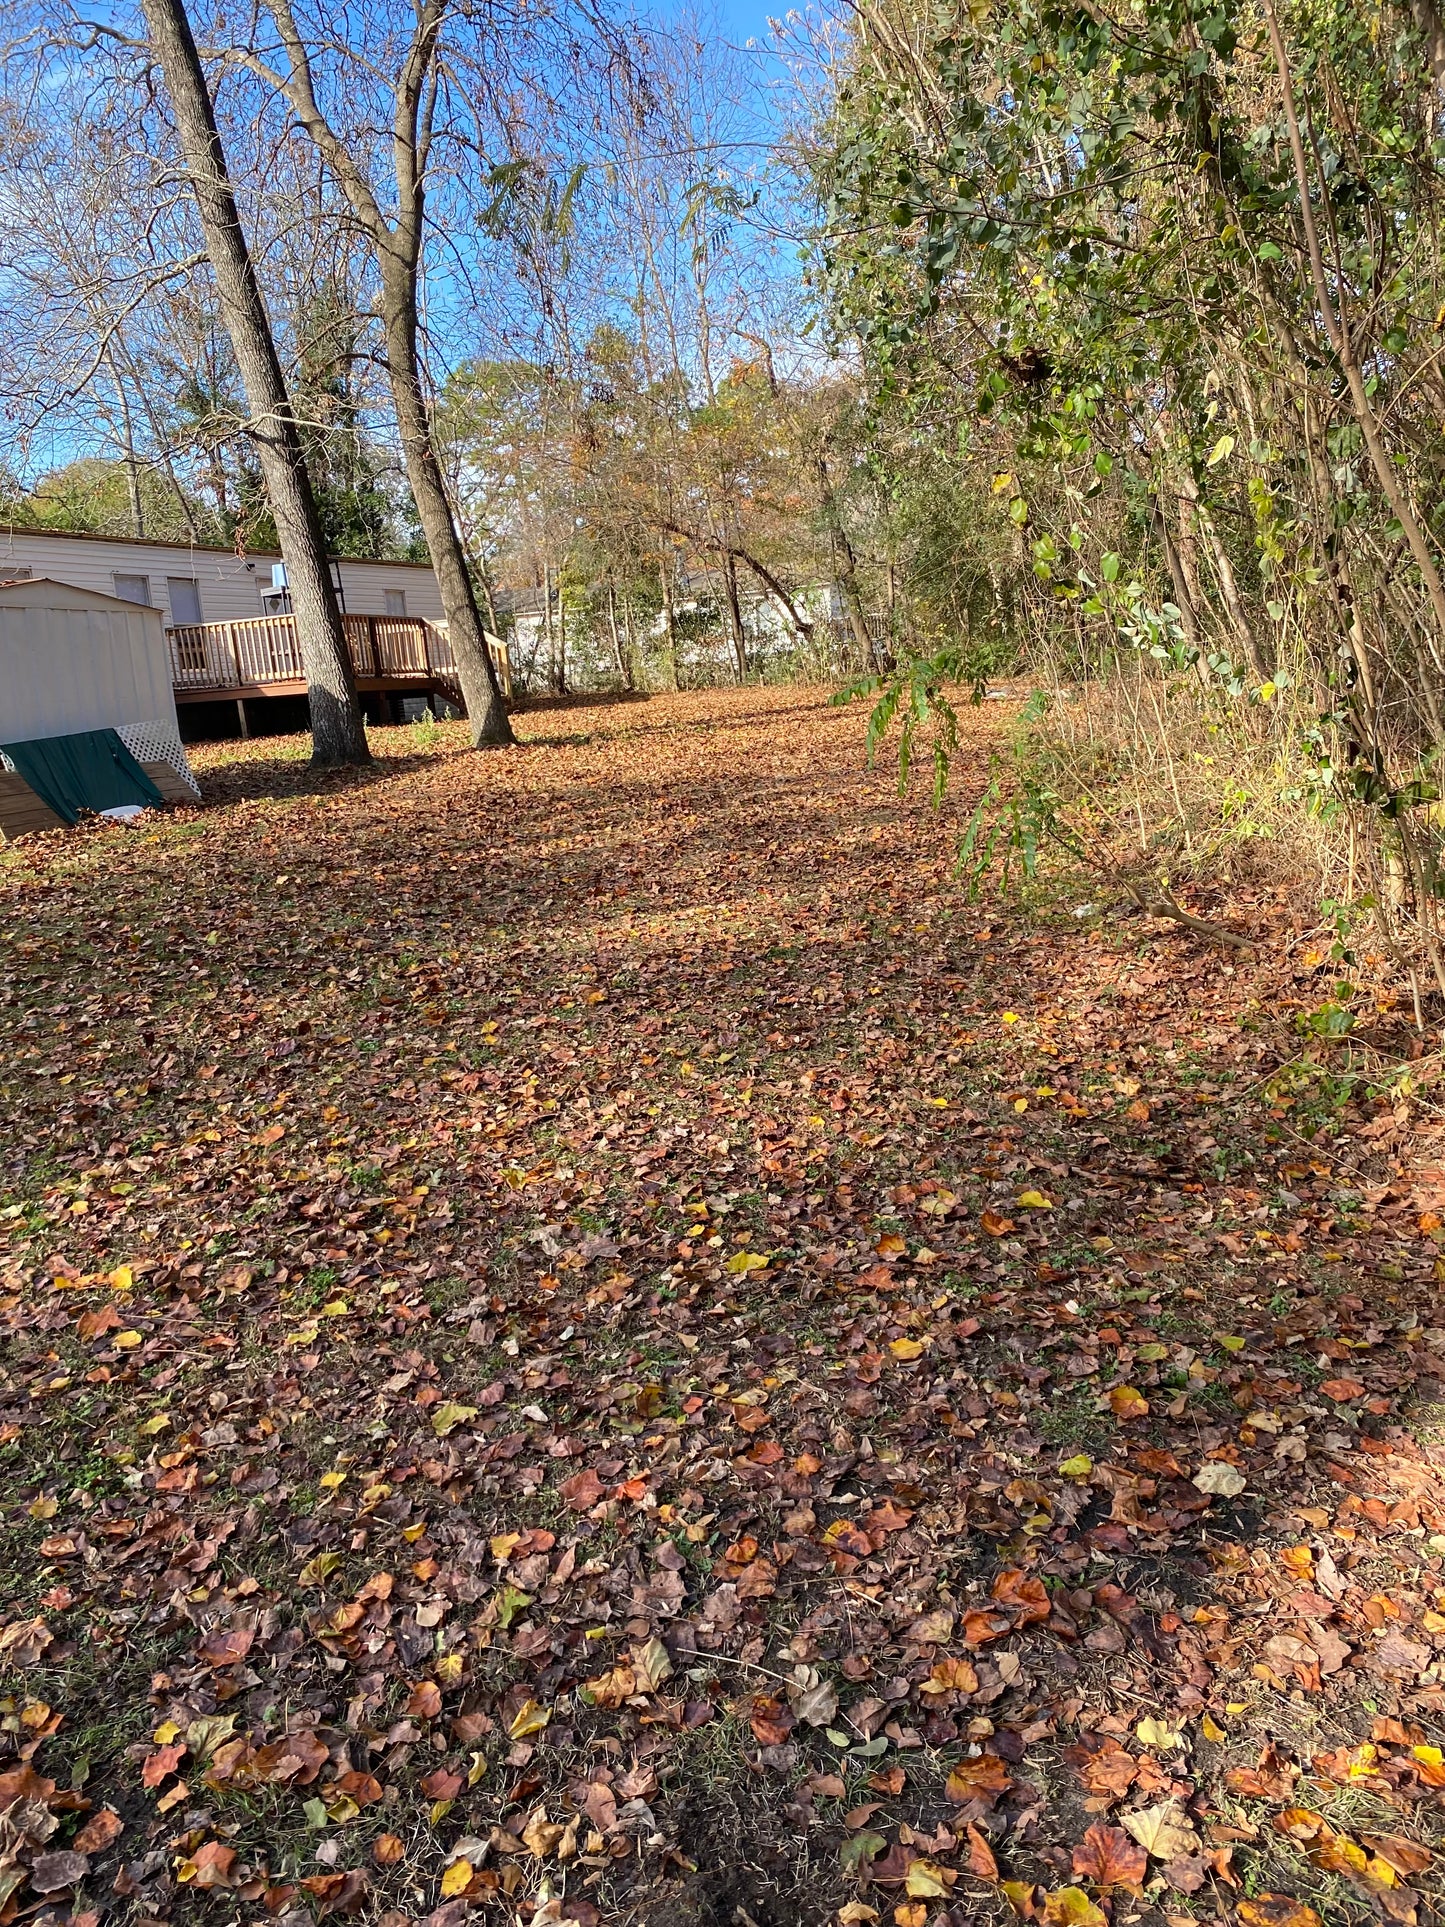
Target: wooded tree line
{"type": "Point", "coordinates": [1168, 279]}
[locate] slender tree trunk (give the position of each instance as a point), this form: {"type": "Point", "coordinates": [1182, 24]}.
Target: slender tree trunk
{"type": "Point", "coordinates": [548, 630]}
{"type": "Point", "coordinates": [132, 472]}
{"type": "Point", "coordinates": [623, 670]}
{"type": "Point", "coordinates": [561, 639]}
{"type": "Point", "coordinates": [846, 563]}
{"type": "Point", "coordinates": [486, 579]}
{"type": "Point", "coordinates": [481, 687]}
{"type": "Point", "coordinates": [1183, 598]}
{"type": "Point", "coordinates": [337, 731]}
{"type": "Point", "coordinates": [735, 615]}
{"type": "Point", "coordinates": [627, 624]}
{"type": "Point", "coordinates": [669, 626]}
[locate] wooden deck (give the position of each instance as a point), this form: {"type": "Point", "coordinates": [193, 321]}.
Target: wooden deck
{"type": "Point", "coordinates": [262, 657]}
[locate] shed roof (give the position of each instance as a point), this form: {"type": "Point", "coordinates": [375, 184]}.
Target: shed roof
{"type": "Point", "coordinates": [43, 592]}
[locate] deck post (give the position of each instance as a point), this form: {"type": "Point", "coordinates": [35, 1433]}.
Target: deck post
{"type": "Point", "coordinates": [241, 713]}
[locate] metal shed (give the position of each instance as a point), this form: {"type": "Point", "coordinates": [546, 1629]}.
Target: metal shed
{"type": "Point", "coordinates": [74, 661]}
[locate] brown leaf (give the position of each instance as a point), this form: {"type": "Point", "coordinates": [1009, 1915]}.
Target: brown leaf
{"type": "Point", "coordinates": [981, 1861]}
{"type": "Point", "coordinates": [1277, 1910]}
{"type": "Point", "coordinates": [583, 1490]}
{"type": "Point", "coordinates": [103, 1826]}
{"type": "Point", "coordinates": [1109, 1858]}
{"type": "Point", "coordinates": [51, 1873]}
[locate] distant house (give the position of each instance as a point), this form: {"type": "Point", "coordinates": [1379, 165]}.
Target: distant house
{"type": "Point", "coordinates": [235, 661]}
{"type": "Point", "coordinates": [190, 584]}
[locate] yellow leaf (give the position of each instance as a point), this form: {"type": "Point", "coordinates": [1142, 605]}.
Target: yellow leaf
{"type": "Point", "coordinates": [457, 1878]}
{"type": "Point", "coordinates": [303, 1335]}
{"type": "Point", "coordinates": [1231, 1343]}
{"type": "Point", "coordinates": [1035, 1200]}
{"type": "Point", "coordinates": [478, 1770]}
{"type": "Point", "coordinates": [149, 1427]}
{"type": "Point", "coordinates": [1077, 1468]}
{"type": "Point", "coordinates": [126, 1341]}
{"type": "Point", "coordinates": [449, 1669]}
{"type": "Point", "coordinates": [1072, 1907]}
{"type": "Point", "coordinates": [1211, 1732]}
{"type": "Point", "coordinates": [122, 1278]}
{"type": "Point", "coordinates": [1159, 1734]}
{"type": "Point", "coordinates": [906, 1348]}
{"type": "Point", "coordinates": [337, 1308]}
{"type": "Point", "coordinates": [745, 1261]}
{"type": "Point", "coordinates": [166, 1732]}
{"type": "Point", "coordinates": [329, 1481]}
{"type": "Point", "coordinates": [447, 1417]}
{"type": "Point", "coordinates": [528, 1719]}
{"type": "Point", "coordinates": [1009, 1017]}
{"type": "Point", "coordinates": [342, 1809]}
{"type": "Point", "coordinates": [44, 1508]}
{"type": "Point", "coordinates": [926, 1880]}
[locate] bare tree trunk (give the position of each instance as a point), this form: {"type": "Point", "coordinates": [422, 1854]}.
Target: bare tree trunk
{"type": "Point", "coordinates": [132, 473]}
{"type": "Point", "coordinates": [624, 669]}
{"type": "Point", "coordinates": [735, 616]}
{"type": "Point", "coordinates": [627, 624]}
{"type": "Point", "coordinates": [398, 246]}
{"type": "Point", "coordinates": [337, 731]}
{"type": "Point", "coordinates": [486, 710]}
{"type": "Point", "coordinates": [669, 624]}
{"type": "Point", "coordinates": [548, 630]}
{"type": "Point", "coordinates": [846, 563]}
{"type": "Point", "coordinates": [561, 639]}
{"type": "Point", "coordinates": [1183, 595]}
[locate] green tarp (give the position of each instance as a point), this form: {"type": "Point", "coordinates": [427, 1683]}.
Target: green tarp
{"type": "Point", "coordinates": [91, 771]}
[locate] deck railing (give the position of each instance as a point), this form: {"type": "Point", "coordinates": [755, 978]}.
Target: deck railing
{"type": "Point", "coordinates": [228, 656]}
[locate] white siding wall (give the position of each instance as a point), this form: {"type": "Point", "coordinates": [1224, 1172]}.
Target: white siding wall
{"type": "Point", "coordinates": [230, 586]}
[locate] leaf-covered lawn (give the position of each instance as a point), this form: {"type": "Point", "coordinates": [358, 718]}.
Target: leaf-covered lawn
{"type": "Point", "coordinates": [588, 1341]}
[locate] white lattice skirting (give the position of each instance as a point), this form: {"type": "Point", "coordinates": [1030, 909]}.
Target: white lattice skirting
{"type": "Point", "coordinates": [156, 742]}
{"type": "Point", "coordinates": [159, 742]}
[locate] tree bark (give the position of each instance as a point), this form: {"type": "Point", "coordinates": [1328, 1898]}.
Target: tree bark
{"type": "Point", "coordinates": [337, 731]}
{"type": "Point", "coordinates": [481, 688]}
{"type": "Point", "coordinates": [398, 245]}
{"type": "Point", "coordinates": [664, 576]}
{"type": "Point", "coordinates": [735, 616]}
{"type": "Point", "coordinates": [624, 667]}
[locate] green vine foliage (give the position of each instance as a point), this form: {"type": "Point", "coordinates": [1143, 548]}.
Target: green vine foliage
{"type": "Point", "coordinates": [1073, 241]}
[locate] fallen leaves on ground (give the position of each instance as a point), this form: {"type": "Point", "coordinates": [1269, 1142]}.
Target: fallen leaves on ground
{"type": "Point", "coordinates": [579, 1324]}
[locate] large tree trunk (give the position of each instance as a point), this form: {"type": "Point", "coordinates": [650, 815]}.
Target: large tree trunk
{"type": "Point", "coordinates": [337, 731]}
{"type": "Point", "coordinates": [486, 710]}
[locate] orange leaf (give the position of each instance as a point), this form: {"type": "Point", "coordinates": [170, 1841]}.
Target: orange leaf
{"type": "Point", "coordinates": [981, 1862]}
{"type": "Point", "coordinates": [1109, 1858]}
